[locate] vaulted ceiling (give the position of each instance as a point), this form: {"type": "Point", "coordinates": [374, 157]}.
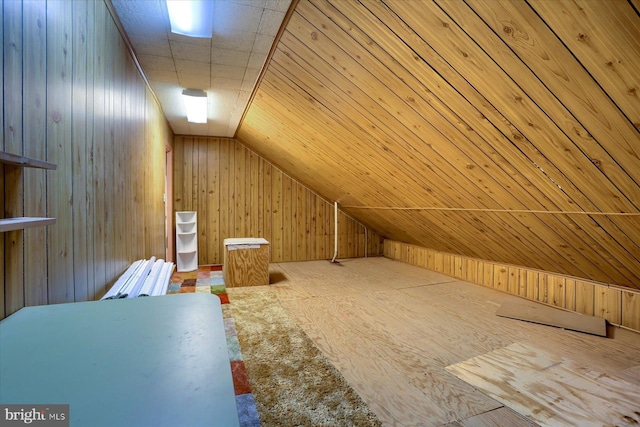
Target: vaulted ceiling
{"type": "Point", "coordinates": [502, 130]}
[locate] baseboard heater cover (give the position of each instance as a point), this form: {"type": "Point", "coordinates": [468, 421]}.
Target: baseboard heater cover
{"type": "Point", "coordinates": [143, 278]}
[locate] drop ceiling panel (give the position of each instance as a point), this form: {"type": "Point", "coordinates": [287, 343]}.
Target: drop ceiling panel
{"type": "Point", "coordinates": [242, 41]}
{"type": "Point", "coordinates": [230, 57]}
{"type": "Point", "coordinates": [226, 66]}
{"type": "Point", "coordinates": [155, 62]}
{"type": "Point", "coordinates": [192, 80]}
{"type": "Point", "coordinates": [190, 51]}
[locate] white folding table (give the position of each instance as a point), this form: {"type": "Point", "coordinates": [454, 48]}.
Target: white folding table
{"type": "Point", "coordinates": [148, 361]}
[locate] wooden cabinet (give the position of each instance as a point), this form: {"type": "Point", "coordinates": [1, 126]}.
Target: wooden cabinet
{"type": "Point", "coordinates": [18, 223]}
{"type": "Point", "coordinates": [246, 262]}
{"type": "Point", "coordinates": [187, 241]}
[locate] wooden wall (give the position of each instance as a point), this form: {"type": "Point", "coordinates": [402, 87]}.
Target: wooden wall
{"type": "Point", "coordinates": [500, 130]}
{"type": "Point", "coordinates": [617, 305]}
{"type": "Point", "coordinates": [72, 95]}
{"type": "Point", "coordinates": [237, 193]}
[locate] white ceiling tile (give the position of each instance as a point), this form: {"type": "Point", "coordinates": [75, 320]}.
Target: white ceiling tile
{"type": "Point", "coordinates": [150, 45]}
{"type": "Point", "coordinates": [234, 122]}
{"type": "Point", "coordinates": [227, 71]}
{"type": "Point", "coordinates": [243, 97]}
{"type": "Point", "coordinates": [180, 127]}
{"type": "Point", "coordinates": [223, 101]}
{"type": "Point", "coordinates": [162, 75]}
{"type": "Point", "coordinates": [254, 3]}
{"type": "Point", "coordinates": [191, 51]}
{"type": "Point", "coordinates": [236, 58]}
{"type": "Point", "coordinates": [270, 22]}
{"type": "Point", "coordinates": [145, 17]}
{"type": "Point", "coordinates": [198, 128]}
{"type": "Point", "coordinates": [256, 60]}
{"type": "Point", "coordinates": [194, 81]}
{"type": "Point", "coordinates": [154, 62]}
{"type": "Point", "coordinates": [234, 16]}
{"type": "Point", "coordinates": [279, 5]}
{"type": "Point", "coordinates": [236, 114]}
{"type": "Point", "coordinates": [192, 67]}
{"type": "Point", "coordinates": [234, 40]}
{"type": "Point", "coordinates": [228, 84]}
{"type": "Point", "coordinates": [186, 39]}
{"type": "Point", "coordinates": [226, 66]}
{"type": "Point", "coordinates": [248, 85]}
{"type": "Point", "coordinates": [220, 129]}
{"type": "Point", "coordinates": [263, 43]}
{"type": "Point", "coordinates": [171, 99]}
{"type": "Point", "coordinates": [251, 75]}
{"type": "Point", "coordinates": [240, 107]}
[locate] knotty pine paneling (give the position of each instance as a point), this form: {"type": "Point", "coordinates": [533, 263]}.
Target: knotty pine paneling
{"type": "Point", "coordinates": [72, 95]}
{"type": "Point", "coordinates": [503, 131]}
{"type": "Point", "coordinates": [617, 305]}
{"type": "Point", "coordinates": [237, 193]}
{"type": "Point", "coordinates": [14, 186]}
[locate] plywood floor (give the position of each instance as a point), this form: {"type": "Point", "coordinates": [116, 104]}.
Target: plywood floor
{"type": "Point", "coordinates": [392, 329]}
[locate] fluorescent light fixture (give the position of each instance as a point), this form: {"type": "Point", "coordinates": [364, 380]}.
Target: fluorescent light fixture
{"type": "Point", "coordinates": [193, 18]}
{"type": "Point", "coordinates": [195, 101]}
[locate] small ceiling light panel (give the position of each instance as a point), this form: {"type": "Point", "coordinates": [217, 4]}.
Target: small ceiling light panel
{"type": "Point", "coordinates": [192, 18]}
{"type": "Point", "coordinates": [195, 102]}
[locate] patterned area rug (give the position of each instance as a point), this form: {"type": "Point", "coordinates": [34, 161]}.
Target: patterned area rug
{"type": "Point", "coordinates": [292, 383]}
{"type": "Point", "coordinates": [208, 279]}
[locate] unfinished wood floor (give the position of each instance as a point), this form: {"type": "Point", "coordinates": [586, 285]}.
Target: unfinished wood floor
{"type": "Point", "coordinates": [392, 329]}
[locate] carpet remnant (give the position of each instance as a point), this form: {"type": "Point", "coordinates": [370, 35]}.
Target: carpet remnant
{"type": "Point", "coordinates": [218, 289]}
{"type": "Point", "coordinates": [230, 327]}
{"type": "Point", "coordinates": [208, 279]}
{"type": "Point", "coordinates": [233, 348]}
{"type": "Point", "coordinates": [173, 288]}
{"type": "Point", "coordinates": [241, 383]}
{"type": "Point", "coordinates": [292, 383]}
{"type": "Point", "coordinates": [247, 411]}
{"type": "Point", "coordinates": [297, 385]}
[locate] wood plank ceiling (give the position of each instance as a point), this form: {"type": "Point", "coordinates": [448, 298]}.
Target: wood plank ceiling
{"type": "Point", "coordinates": [502, 130]}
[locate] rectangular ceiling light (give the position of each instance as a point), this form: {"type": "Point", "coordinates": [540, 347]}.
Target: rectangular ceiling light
{"type": "Point", "coordinates": [193, 18]}
{"type": "Point", "coordinates": [195, 101]}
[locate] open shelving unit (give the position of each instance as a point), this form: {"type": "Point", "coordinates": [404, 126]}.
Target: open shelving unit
{"type": "Point", "coordinates": [19, 223]}
{"type": "Point", "coordinates": [186, 241]}
{"type": "Point", "coordinates": [25, 162]}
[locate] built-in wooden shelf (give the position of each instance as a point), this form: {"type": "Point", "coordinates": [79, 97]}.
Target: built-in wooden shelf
{"type": "Point", "coordinates": [25, 162]}
{"type": "Point", "coordinates": [21, 222]}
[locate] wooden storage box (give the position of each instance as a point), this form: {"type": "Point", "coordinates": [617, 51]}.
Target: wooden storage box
{"type": "Point", "coordinates": [246, 262]}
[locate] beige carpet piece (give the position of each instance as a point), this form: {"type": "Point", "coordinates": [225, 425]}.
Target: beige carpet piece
{"type": "Point", "coordinates": [292, 382]}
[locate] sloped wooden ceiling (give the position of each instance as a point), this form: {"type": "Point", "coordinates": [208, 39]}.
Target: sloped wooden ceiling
{"type": "Point", "coordinates": [502, 130]}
